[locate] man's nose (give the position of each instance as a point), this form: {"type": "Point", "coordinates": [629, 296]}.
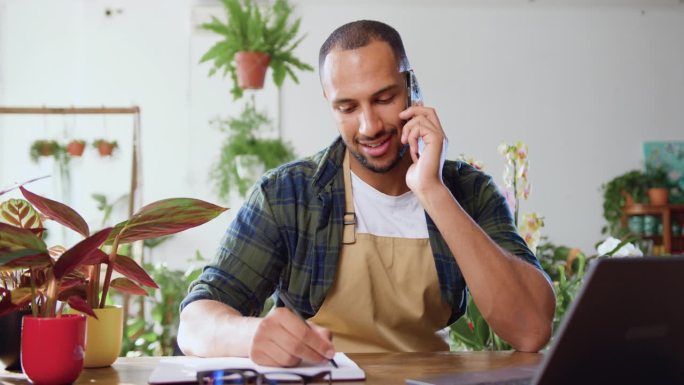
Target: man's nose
{"type": "Point", "coordinates": [370, 123]}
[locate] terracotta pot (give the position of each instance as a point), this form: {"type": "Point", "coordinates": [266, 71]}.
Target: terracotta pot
{"type": "Point", "coordinates": [251, 69]}
{"type": "Point", "coordinates": [658, 196]}
{"type": "Point", "coordinates": [10, 335]}
{"type": "Point", "coordinates": [52, 348]}
{"type": "Point", "coordinates": [75, 148]}
{"type": "Point", "coordinates": [103, 338]}
{"type": "Point", "coordinates": [46, 149]}
{"type": "Point", "coordinates": [105, 148]}
{"type": "Point", "coordinates": [629, 201]}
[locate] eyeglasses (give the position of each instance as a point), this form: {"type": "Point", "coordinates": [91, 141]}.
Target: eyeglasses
{"type": "Point", "coordinates": [252, 377]}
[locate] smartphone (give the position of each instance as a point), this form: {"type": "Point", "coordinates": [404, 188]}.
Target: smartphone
{"type": "Point", "coordinates": [413, 95]}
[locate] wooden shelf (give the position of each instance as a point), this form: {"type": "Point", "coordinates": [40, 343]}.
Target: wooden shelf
{"type": "Point", "coordinates": [666, 213]}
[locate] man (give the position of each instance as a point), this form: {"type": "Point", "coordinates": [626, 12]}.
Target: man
{"type": "Point", "coordinates": [371, 239]}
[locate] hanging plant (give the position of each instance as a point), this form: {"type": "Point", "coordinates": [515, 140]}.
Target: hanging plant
{"type": "Point", "coordinates": [105, 147]}
{"type": "Point", "coordinates": [44, 148]}
{"type": "Point", "coordinates": [252, 41]}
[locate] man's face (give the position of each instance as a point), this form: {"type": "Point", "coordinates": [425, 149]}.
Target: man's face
{"type": "Point", "coordinates": [366, 92]}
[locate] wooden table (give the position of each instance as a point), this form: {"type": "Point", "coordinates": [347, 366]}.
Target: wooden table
{"type": "Point", "coordinates": [380, 368]}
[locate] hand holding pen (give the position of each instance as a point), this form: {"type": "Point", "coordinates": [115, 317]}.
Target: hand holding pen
{"type": "Point", "coordinates": [283, 339]}
{"type": "Point", "coordinates": [283, 297]}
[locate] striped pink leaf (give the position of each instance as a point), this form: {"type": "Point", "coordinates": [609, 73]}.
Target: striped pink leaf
{"type": "Point", "coordinates": [125, 285]}
{"type": "Point", "coordinates": [75, 256]}
{"type": "Point", "coordinates": [58, 212]}
{"type": "Point", "coordinates": [78, 303]}
{"type": "Point", "coordinates": [130, 269]}
{"type": "Point", "coordinates": [164, 217]}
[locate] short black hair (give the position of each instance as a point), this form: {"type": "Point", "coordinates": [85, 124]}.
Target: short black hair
{"type": "Point", "coordinates": [359, 34]}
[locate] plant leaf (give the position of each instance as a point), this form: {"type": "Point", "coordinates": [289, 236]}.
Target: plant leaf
{"type": "Point", "coordinates": [164, 217]}
{"type": "Point", "coordinates": [75, 256]}
{"type": "Point", "coordinates": [125, 285]}
{"type": "Point", "coordinates": [58, 212]}
{"type": "Point", "coordinates": [78, 303]}
{"type": "Point", "coordinates": [21, 247]}
{"type": "Point", "coordinates": [96, 257]}
{"type": "Point", "coordinates": [129, 268]}
{"type": "Point", "coordinates": [20, 213]}
{"type": "Point", "coordinates": [8, 189]}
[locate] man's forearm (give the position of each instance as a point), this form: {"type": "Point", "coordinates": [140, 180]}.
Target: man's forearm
{"type": "Point", "coordinates": [513, 296]}
{"type": "Point", "coordinates": [210, 329]}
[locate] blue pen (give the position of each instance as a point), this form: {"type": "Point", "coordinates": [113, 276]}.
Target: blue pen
{"type": "Point", "coordinates": [289, 305]}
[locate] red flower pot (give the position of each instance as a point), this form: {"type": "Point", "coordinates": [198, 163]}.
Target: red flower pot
{"type": "Point", "coordinates": [52, 349]}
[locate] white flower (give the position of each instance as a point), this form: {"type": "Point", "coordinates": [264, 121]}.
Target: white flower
{"type": "Point", "coordinates": [627, 250]}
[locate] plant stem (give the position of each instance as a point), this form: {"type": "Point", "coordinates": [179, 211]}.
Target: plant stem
{"type": "Point", "coordinates": [110, 268]}
{"type": "Point", "coordinates": [53, 285]}
{"type": "Point", "coordinates": [34, 305]}
{"type": "Point", "coordinates": [515, 191]}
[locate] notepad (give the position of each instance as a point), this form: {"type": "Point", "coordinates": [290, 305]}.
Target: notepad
{"type": "Point", "coordinates": [176, 370]}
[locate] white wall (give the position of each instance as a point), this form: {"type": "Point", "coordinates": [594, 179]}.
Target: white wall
{"type": "Point", "coordinates": [584, 85]}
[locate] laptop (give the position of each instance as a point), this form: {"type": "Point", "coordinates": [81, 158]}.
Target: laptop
{"type": "Point", "coordinates": [626, 326]}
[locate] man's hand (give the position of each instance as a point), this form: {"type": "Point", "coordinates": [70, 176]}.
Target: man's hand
{"type": "Point", "coordinates": [282, 339]}
{"type": "Point", "coordinates": [422, 122]}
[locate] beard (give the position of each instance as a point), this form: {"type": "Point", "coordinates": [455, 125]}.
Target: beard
{"type": "Point", "coordinates": [378, 168]}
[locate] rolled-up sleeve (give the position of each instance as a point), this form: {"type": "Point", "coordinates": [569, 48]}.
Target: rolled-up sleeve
{"type": "Point", "coordinates": [247, 266]}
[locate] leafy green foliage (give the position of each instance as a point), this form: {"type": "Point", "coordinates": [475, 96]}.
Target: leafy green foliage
{"type": "Point", "coordinates": [249, 29]}
{"type": "Point", "coordinates": [656, 177]}
{"type": "Point", "coordinates": [243, 139]}
{"type": "Point", "coordinates": [632, 183]}
{"type": "Point", "coordinates": [157, 335]}
{"type": "Point", "coordinates": [46, 148]}
{"type": "Point", "coordinates": [471, 332]}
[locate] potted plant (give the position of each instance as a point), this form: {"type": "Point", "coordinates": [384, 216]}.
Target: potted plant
{"type": "Point", "coordinates": [75, 147]}
{"type": "Point", "coordinates": [76, 274]}
{"type": "Point", "coordinates": [44, 148]}
{"type": "Point", "coordinates": [623, 190]}
{"type": "Point", "coordinates": [253, 40]}
{"type": "Point", "coordinates": [244, 140]}
{"type": "Point", "coordinates": [105, 147]}
{"type": "Point", "coordinates": [658, 185]}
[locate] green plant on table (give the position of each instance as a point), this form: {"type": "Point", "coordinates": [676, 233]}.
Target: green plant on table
{"type": "Point", "coordinates": [250, 29]}
{"type": "Point", "coordinates": [616, 192]}
{"type": "Point", "coordinates": [157, 335]}
{"type": "Point", "coordinates": [244, 138]}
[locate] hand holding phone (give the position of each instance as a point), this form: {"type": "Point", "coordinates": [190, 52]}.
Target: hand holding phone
{"type": "Point", "coordinates": [414, 96]}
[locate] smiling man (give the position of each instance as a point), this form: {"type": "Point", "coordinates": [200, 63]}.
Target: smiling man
{"type": "Point", "coordinates": [371, 239]}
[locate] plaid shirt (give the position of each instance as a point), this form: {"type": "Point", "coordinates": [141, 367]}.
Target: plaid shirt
{"type": "Point", "coordinates": [288, 234]}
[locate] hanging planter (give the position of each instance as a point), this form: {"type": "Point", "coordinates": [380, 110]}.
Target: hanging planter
{"type": "Point", "coordinates": [251, 31]}
{"type": "Point", "coordinates": [105, 147]}
{"type": "Point", "coordinates": [43, 148]}
{"type": "Point", "coordinates": [75, 147]}
{"type": "Point", "coordinates": [251, 69]}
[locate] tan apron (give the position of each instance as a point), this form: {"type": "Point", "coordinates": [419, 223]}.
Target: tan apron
{"type": "Point", "coordinates": [386, 296]}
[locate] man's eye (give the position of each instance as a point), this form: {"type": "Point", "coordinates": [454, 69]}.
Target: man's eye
{"type": "Point", "coordinates": [345, 109]}
{"type": "Point", "coordinates": [386, 100]}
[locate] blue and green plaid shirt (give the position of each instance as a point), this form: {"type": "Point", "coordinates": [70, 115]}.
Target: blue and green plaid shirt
{"type": "Point", "coordinates": [288, 234]}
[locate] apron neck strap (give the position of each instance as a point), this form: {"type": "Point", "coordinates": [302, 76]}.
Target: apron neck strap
{"type": "Point", "coordinates": [349, 220]}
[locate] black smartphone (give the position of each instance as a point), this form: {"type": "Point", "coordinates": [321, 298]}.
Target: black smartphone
{"type": "Point", "coordinates": [413, 93]}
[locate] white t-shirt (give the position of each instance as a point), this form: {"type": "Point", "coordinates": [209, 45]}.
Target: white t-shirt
{"type": "Point", "coordinates": [386, 215]}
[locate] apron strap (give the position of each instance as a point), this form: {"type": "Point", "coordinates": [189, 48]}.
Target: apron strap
{"type": "Point", "coordinates": [349, 220]}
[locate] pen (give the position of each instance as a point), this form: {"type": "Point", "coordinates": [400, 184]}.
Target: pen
{"type": "Point", "coordinates": [289, 305]}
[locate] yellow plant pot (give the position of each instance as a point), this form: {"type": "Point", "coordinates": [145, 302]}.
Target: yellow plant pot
{"type": "Point", "coordinates": [103, 337]}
